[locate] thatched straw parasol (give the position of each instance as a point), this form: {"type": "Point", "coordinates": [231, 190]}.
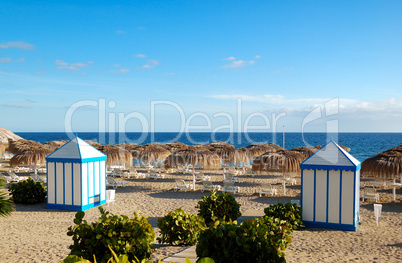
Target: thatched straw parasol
{"type": "Point", "coordinates": [176, 146]}
{"type": "Point", "coordinates": [23, 145]}
{"type": "Point", "coordinates": [387, 164]}
{"type": "Point", "coordinates": [257, 149]}
{"type": "Point", "coordinates": [151, 153]}
{"type": "Point", "coordinates": [94, 144]}
{"type": "Point", "coordinates": [34, 156]}
{"type": "Point", "coordinates": [345, 148]}
{"type": "Point", "coordinates": [286, 161]}
{"type": "Point", "coordinates": [231, 155]}
{"type": "Point", "coordinates": [306, 151]}
{"type": "Point", "coordinates": [205, 158]}
{"type": "Point", "coordinates": [116, 155]}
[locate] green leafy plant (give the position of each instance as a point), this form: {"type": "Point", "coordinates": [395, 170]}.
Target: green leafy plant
{"type": "Point", "coordinates": [124, 235]}
{"type": "Point", "coordinates": [123, 259]}
{"type": "Point", "coordinates": [289, 212]}
{"type": "Point", "coordinates": [221, 207]}
{"type": "Point", "coordinates": [256, 240]}
{"type": "Point", "coordinates": [28, 192]}
{"type": "Point", "coordinates": [6, 204]}
{"type": "Point", "coordinates": [180, 228]}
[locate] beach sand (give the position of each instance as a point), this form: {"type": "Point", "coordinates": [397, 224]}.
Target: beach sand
{"type": "Point", "coordinates": [36, 234]}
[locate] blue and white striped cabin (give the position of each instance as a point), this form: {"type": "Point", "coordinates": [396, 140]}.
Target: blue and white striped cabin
{"type": "Point", "coordinates": [330, 189]}
{"type": "Point", "coordinates": [76, 177]}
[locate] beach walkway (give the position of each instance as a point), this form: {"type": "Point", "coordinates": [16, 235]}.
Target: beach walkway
{"type": "Point", "coordinates": [190, 252]}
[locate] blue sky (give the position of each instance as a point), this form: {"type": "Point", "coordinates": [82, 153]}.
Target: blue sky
{"type": "Point", "coordinates": [201, 65]}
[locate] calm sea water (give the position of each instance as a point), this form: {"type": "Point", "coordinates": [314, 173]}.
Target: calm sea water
{"type": "Point", "coordinates": [363, 145]}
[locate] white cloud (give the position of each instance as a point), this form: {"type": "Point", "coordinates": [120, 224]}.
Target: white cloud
{"type": "Point", "coordinates": [17, 44]}
{"type": "Point", "coordinates": [139, 56]}
{"type": "Point", "coordinates": [117, 65]}
{"type": "Point", "coordinates": [84, 74]}
{"type": "Point", "coordinates": [236, 64]}
{"type": "Point", "coordinates": [12, 105]}
{"type": "Point", "coordinates": [152, 63]}
{"type": "Point", "coordinates": [21, 60]}
{"type": "Point", "coordinates": [74, 66]}
{"type": "Point", "coordinates": [120, 32]}
{"type": "Point", "coordinates": [257, 57]}
{"type": "Point", "coordinates": [169, 74]}
{"type": "Point", "coordinates": [120, 71]}
{"type": "Point", "coordinates": [60, 63]}
{"type": "Point", "coordinates": [6, 60]}
{"type": "Point", "coordinates": [229, 58]}
{"type": "Point", "coordinates": [278, 71]}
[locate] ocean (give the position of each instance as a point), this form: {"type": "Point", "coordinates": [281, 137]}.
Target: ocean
{"type": "Point", "coordinates": [363, 145]}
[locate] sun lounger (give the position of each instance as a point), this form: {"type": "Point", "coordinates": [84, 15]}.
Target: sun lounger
{"type": "Point", "coordinates": [370, 193]}
{"type": "Point", "coordinates": [289, 180]}
{"type": "Point", "coordinates": [182, 185]}
{"type": "Point", "coordinates": [267, 189]}
{"type": "Point", "coordinates": [208, 186]}
{"type": "Point", "coordinates": [379, 182]}
{"type": "Point", "coordinates": [232, 177]}
{"type": "Point", "coordinates": [229, 187]}
{"type": "Point", "coordinates": [135, 174]}
{"type": "Point", "coordinates": [199, 176]}
{"type": "Point", "coordinates": [154, 175]}
{"type": "Point", "coordinates": [37, 178]}
{"type": "Point", "coordinates": [15, 178]}
{"type": "Point", "coordinates": [111, 182]}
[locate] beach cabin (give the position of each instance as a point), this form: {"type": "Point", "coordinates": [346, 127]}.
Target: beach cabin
{"type": "Point", "coordinates": [330, 189]}
{"type": "Point", "coordinates": [76, 177]}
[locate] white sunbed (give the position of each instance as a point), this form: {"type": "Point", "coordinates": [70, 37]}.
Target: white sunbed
{"type": "Point", "coordinates": [370, 193]}
{"type": "Point", "coordinates": [135, 174]}
{"type": "Point", "coordinates": [182, 185]}
{"type": "Point", "coordinates": [267, 189]}
{"type": "Point", "coordinates": [37, 178]}
{"type": "Point", "coordinates": [12, 177]}
{"type": "Point", "coordinates": [232, 177]}
{"type": "Point", "coordinates": [229, 187]}
{"type": "Point", "coordinates": [208, 186]}
{"type": "Point", "coordinates": [154, 175]}
{"type": "Point", "coordinates": [199, 176]}
{"type": "Point", "coordinates": [111, 182]}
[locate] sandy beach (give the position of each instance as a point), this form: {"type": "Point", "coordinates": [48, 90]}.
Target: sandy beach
{"type": "Point", "coordinates": [36, 234]}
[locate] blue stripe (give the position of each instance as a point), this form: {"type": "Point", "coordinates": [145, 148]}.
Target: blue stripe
{"type": "Point", "coordinates": [47, 182]}
{"type": "Point", "coordinates": [329, 167]}
{"type": "Point", "coordinates": [64, 185]}
{"type": "Point", "coordinates": [76, 160]}
{"type": "Point", "coordinates": [301, 193]}
{"type": "Point", "coordinates": [315, 194]}
{"type": "Point", "coordinates": [340, 197]}
{"type": "Point", "coordinates": [75, 207]}
{"type": "Point", "coordinates": [72, 184]}
{"type": "Point", "coordinates": [327, 195]}
{"type": "Point", "coordinates": [346, 227]}
{"type": "Point", "coordinates": [55, 184]}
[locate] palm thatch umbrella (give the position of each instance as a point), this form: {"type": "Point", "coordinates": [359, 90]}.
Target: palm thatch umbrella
{"type": "Point", "coordinates": [205, 158]}
{"type": "Point", "coordinates": [116, 155]}
{"type": "Point", "coordinates": [151, 153]}
{"type": "Point", "coordinates": [231, 155]}
{"type": "Point", "coordinates": [387, 164]}
{"type": "Point", "coordinates": [306, 151]}
{"type": "Point", "coordinates": [34, 156]}
{"type": "Point", "coordinates": [257, 149]}
{"type": "Point", "coordinates": [176, 146]}
{"type": "Point", "coordinates": [3, 148]}
{"type": "Point", "coordinates": [200, 146]}
{"type": "Point", "coordinates": [286, 161]}
{"type": "Point", "coordinates": [23, 145]}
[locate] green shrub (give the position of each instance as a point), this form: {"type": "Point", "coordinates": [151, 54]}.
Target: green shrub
{"type": "Point", "coordinates": [6, 204]}
{"type": "Point", "coordinates": [256, 240]}
{"type": "Point", "coordinates": [180, 228]}
{"type": "Point", "coordinates": [289, 212]}
{"type": "Point", "coordinates": [221, 207]}
{"type": "Point", "coordinates": [132, 237]}
{"type": "Point", "coordinates": [28, 192]}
